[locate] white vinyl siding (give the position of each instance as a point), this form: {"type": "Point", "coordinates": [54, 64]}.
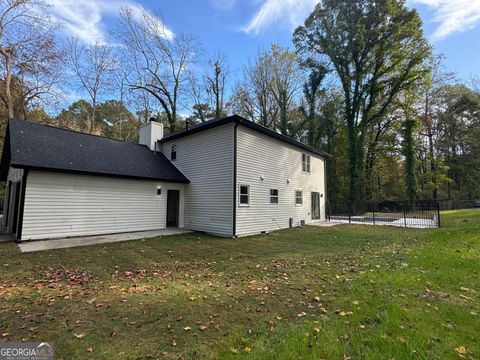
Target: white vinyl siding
{"type": "Point", "coordinates": [206, 159]}
{"type": "Point", "coordinates": [65, 205]}
{"type": "Point", "coordinates": [255, 152]}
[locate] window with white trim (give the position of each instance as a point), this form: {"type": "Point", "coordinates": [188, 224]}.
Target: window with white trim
{"type": "Point", "coordinates": [306, 163]}
{"type": "Point", "coordinates": [273, 196]}
{"type": "Point", "coordinates": [298, 197]}
{"type": "Point", "coordinates": [244, 198]}
{"type": "Point", "coordinates": [173, 152]}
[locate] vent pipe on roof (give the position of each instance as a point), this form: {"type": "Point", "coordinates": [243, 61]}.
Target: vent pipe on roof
{"type": "Point", "coordinates": [150, 133]}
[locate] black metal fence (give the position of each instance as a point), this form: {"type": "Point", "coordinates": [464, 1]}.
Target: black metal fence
{"type": "Point", "coordinates": [417, 214]}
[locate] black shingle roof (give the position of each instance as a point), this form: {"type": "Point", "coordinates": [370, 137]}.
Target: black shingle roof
{"type": "Point", "coordinates": [247, 123]}
{"type": "Point", "coordinates": [42, 147]}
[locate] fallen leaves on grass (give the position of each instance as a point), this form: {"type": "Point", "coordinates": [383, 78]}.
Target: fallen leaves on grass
{"type": "Point", "coordinates": [62, 277]}
{"type": "Point", "coordinates": [461, 350]}
{"type": "Point", "coordinates": [79, 336]}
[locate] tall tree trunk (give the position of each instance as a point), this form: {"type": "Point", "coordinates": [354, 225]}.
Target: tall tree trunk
{"type": "Point", "coordinates": [409, 153]}
{"type": "Point", "coordinates": [361, 167]}
{"type": "Point", "coordinates": [311, 124]}
{"type": "Point", "coordinates": [92, 119]}
{"type": "Point", "coordinates": [433, 164]}
{"type": "Point", "coordinates": [218, 106]}
{"type": "Point", "coordinates": [8, 82]}
{"type": "Point", "coordinates": [352, 157]}
{"type": "Point", "coordinates": [283, 112]}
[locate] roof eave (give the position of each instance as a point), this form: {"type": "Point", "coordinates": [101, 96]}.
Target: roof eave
{"type": "Point", "coordinates": [70, 171]}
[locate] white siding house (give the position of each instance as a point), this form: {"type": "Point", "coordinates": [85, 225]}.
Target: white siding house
{"type": "Point", "coordinates": [228, 177]}
{"type": "Point", "coordinates": [206, 159]}
{"type": "Point", "coordinates": [222, 158]}
{"type": "Point", "coordinates": [66, 205]}
{"type": "Point", "coordinates": [62, 183]}
{"type": "Point", "coordinates": [273, 172]}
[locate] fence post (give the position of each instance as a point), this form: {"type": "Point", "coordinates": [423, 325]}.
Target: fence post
{"type": "Point", "coordinates": [438, 214]}
{"type": "Point", "coordinates": [405, 213]}
{"type": "Point", "coordinates": [349, 212]}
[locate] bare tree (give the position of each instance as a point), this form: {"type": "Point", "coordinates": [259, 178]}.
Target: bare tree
{"type": "Point", "coordinates": [215, 80]}
{"type": "Point", "coordinates": [201, 110]}
{"type": "Point", "coordinates": [286, 80]}
{"type": "Point", "coordinates": [253, 96]}
{"type": "Point", "coordinates": [162, 58]}
{"type": "Point", "coordinates": [29, 56]}
{"type": "Point", "coordinates": [93, 66]}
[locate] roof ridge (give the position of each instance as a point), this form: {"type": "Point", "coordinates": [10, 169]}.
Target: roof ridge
{"type": "Point", "coordinates": [76, 132]}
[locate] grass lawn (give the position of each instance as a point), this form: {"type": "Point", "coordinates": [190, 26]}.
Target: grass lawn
{"type": "Point", "coordinates": [359, 292]}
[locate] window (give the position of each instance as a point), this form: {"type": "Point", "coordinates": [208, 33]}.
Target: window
{"type": "Point", "coordinates": [305, 163]}
{"type": "Point", "coordinates": [244, 195]}
{"type": "Point", "coordinates": [173, 152]}
{"type": "Point", "coordinates": [273, 196]}
{"type": "Point", "coordinates": [298, 197]}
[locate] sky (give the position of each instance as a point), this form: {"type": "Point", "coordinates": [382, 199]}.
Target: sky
{"type": "Point", "coordinates": [240, 28]}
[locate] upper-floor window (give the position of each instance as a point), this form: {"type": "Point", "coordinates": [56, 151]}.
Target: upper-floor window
{"type": "Point", "coordinates": [306, 163]}
{"type": "Point", "coordinates": [244, 199]}
{"type": "Point", "coordinates": [273, 196]}
{"type": "Point", "coordinates": [173, 151]}
{"type": "Point", "coordinates": [298, 197]}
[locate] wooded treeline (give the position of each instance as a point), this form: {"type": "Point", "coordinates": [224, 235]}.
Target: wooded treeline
{"type": "Point", "coordinates": [360, 82]}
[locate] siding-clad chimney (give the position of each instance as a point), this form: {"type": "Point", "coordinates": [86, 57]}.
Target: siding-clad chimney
{"type": "Point", "coordinates": [150, 133]}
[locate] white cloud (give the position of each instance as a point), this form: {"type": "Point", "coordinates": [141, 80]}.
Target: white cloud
{"type": "Point", "coordinates": [453, 16]}
{"type": "Point", "coordinates": [85, 18]}
{"type": "Point", "coordinates": [289, 12]}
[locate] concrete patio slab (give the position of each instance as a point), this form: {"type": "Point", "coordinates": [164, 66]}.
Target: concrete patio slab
{"type": "Point", "coordinates": [39, 245]}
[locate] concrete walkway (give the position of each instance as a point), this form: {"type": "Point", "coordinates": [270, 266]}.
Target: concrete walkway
{"type": "Point", "coordinates": [39, 245]}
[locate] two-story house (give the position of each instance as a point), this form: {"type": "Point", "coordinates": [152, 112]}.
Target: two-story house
{"type": "Point", "coordinates": [229, 177]}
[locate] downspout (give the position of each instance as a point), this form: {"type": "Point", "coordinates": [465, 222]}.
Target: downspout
{"type": "Point", "coordinates": [234, 210]}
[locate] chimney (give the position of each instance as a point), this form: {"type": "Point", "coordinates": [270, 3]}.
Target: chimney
{"type": "Point", "coordinates": [150, 133]}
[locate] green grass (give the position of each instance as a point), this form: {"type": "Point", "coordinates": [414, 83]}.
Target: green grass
{"type": "Point", "coordinates": [363, 292]}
